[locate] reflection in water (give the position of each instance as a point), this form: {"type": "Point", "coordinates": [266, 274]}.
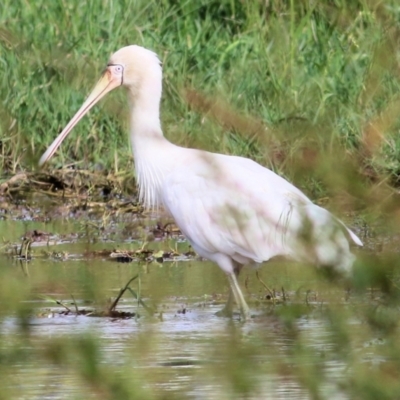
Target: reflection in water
{"type": "Point", "coordinates": [186, 356]}
{"type": "Point", "coordinates": [284, 352]}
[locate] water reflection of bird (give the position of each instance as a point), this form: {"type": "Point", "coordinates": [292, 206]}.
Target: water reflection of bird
{"type": "Point", "coordinates": [231, 209]}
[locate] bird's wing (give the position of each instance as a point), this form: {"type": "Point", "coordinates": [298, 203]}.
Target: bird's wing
{"type": "Point", "coordinates": [234, 206]}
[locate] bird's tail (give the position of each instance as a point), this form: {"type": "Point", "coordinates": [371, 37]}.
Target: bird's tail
{"type": "Point", "coordinates": [330, 239]}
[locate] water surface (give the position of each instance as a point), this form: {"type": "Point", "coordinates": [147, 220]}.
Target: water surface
{"type": "Point", "coordinates": [184, 349]}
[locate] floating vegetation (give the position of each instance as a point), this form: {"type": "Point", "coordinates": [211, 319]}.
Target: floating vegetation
{"type": "Point", "coordinates": [108, 312]}
{"type": "Point", "coordinates": [105, 216]}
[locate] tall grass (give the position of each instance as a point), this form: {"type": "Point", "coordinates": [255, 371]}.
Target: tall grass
{"type": "Point", "coordinates": [316, 74]}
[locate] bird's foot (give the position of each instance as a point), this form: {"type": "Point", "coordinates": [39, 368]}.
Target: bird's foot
{"type": "Point", "coordinates": [226, 312]}
{"type": "Point", "coordinates": [245, 314]}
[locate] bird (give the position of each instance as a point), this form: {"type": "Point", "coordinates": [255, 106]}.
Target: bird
{"type": "Point", "coordinates": [232, 210]}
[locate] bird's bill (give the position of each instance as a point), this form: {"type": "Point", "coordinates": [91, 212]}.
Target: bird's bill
{"type": "Point", "coordinates": [107, 82]}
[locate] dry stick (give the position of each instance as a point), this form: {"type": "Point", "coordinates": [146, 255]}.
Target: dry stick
{"type": "Point", "coordinates": [266, 287]}
{"type": "Point", "coordinates": [121, 292]}
{"type": "Point", "coordinates": [18, 177]}
{"type": "Point", "coordinates": [24, 249]}
{"type": "Point", "coordinates": [21, 249]}
{"type": "Point", "coordinates": [76, 306]}
{"type": "Point", "coordinates": [58, 302]}
{"type": "Point", "coordinates": [57, 194]}
{"type": "Point", "coordinates": [63, 305]}
{"type": "Point", "coordinates": [27, 248]}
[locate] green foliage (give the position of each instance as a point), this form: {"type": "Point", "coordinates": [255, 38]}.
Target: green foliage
{"type": "Point", "coordinates": [331, 64]}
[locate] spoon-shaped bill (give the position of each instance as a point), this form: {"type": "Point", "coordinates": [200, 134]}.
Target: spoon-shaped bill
{"type": "Point", "coordinates": [109, 81]}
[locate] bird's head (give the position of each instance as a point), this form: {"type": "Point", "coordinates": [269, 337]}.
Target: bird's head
{"type": "Point", "coordinates": [130, 66]}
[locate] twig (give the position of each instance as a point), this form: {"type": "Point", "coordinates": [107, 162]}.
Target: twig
{"type": "Point", "coordinates": [76, 306]}
{"type": "Point", "coordinates": [18, 177]}
{"type": "Point", "coordinates": [121, 292]}
{"type": "Point", "coordinates": [25, 247]}
{"type": "Point", "coordinates": [58, 302]}
{"type": "Point", "coordinates": [63, 305]}
{"type": "Point", "coordinates": [266, 287]}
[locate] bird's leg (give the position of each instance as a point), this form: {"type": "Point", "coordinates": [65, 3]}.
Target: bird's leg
{"type": "Point", "coordinates": [227, 310]}
{"type": "Point", "coordinates": [237, 294]}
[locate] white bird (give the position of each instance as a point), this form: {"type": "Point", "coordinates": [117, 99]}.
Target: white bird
{"type": "Point", "coordinates": [232, 210]}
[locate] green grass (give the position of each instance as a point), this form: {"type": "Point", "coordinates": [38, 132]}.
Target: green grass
{"type": "Point", "coordinates": [315, 74]}
{"type": "Point", "coordinates": [309, 89]}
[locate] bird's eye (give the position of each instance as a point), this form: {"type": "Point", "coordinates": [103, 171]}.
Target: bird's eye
{"type": "Point", "coordinates": [117, 68]}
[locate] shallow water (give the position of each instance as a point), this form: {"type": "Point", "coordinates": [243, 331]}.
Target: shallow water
{"type": "Point", "coordinates": [184, 350]}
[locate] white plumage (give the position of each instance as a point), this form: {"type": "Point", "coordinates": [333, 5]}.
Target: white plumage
{"type": "Point", "coordinates": [231, 209]}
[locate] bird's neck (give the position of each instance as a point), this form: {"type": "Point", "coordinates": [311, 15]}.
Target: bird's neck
{"type": "Point", "coordinates": [151, 151]}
